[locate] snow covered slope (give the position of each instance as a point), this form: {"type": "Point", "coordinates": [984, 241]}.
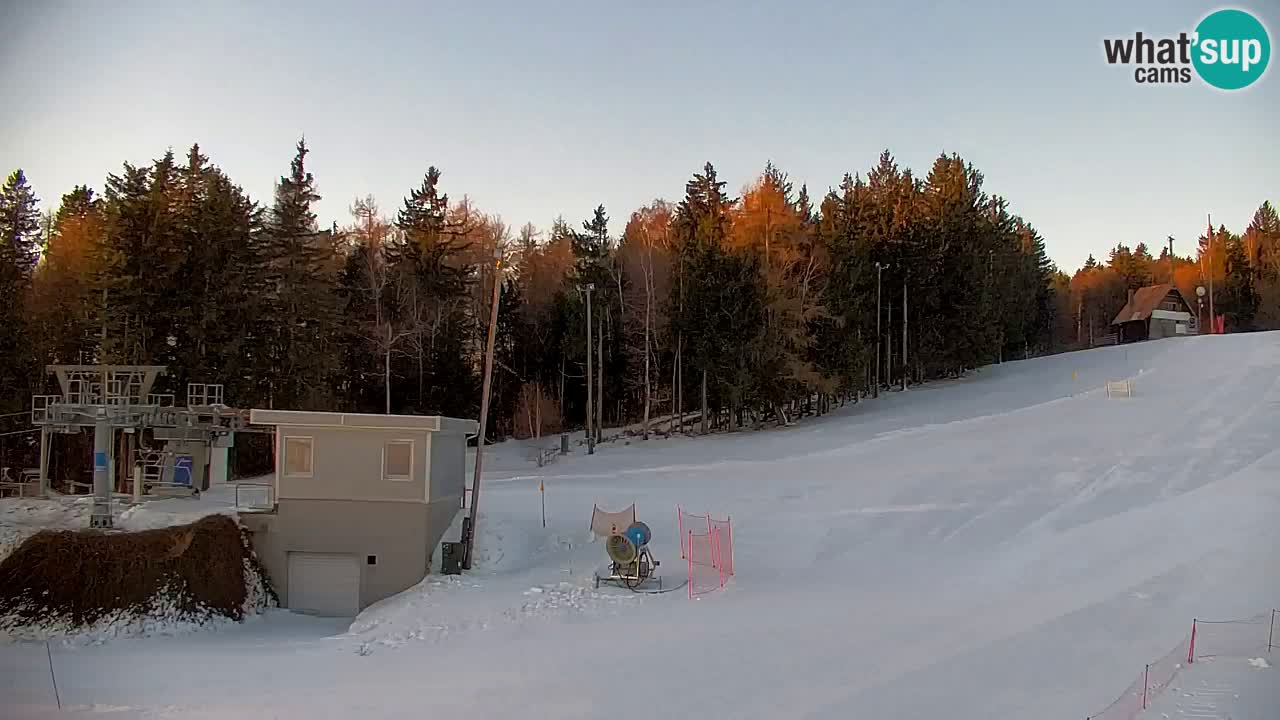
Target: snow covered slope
{"type": "Point", "coordinates": [1011, 545]}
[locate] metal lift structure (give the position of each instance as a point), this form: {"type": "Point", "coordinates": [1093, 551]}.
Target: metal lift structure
{"type": "Point", "coordinates": [111, 398]}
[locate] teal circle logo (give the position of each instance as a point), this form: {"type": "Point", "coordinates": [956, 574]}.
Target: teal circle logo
{"type": "Point", "coordinates": [1231, 49]}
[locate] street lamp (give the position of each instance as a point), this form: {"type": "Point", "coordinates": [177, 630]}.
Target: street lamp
{"type": "Point", "coordinates": [1199, 305]}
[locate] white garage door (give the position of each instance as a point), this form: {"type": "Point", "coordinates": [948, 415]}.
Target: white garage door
{"type": "Point", "coordinates": [324, 584]}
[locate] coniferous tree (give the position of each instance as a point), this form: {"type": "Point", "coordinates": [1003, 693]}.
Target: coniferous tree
{"type": "Point", "coordinates": [301, 271]}
{"type": "Point", "coordinates": [220, 269]}
{"type": "Point", "coordinates": [1238, 299]}
{"type": "Point", "coordinates": [433, 252]}
{"type": "Point", "coordinates": [64, 303]}
{"type": "Point", "coordinates": [1263, 240]}
{"type": "Point", "coordinates": [19, 249]}
{"type": "Point", "coordinates": [137, 268]}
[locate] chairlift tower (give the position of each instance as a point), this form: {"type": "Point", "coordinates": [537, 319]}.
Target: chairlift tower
{"type": "Point", "coordinates": [108, 398]}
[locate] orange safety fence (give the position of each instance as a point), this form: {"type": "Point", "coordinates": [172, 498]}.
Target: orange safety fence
{"type": "Point", "coordinates": [707, 545]}
{"type": "Point", "coordinates": [1207, 639]}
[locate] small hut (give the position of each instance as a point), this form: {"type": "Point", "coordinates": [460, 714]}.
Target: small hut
{"type": "Point", "coordinates": [1154, 312]}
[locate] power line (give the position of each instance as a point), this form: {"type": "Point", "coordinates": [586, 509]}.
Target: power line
{"type": "Point", "coordinates": [20, 432]}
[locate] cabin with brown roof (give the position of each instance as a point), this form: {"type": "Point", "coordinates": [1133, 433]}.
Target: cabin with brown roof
{"type": "Point", "coordinates": [1153, 312]}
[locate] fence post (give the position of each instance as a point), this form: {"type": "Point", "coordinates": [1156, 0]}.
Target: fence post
{"type": "Point", "coordinates": [1191, 647]}
{"type": "Point", "coordinates": [680, 528]}
{"type": "Point", "coordinates": [1146, 669]}
{"type": "Point", "coordinates": [690, 564]}
{"type": "Point", "coordinates": [716, 553]}
{"type": "Point", "coordinates": [1271, 633]}
{"type": "Point", "coordinates": [728, 519]}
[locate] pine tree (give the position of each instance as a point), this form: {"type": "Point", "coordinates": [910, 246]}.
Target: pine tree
{"type": "Point", "coordinates": [65, 305]}
{"type": "Point", "coordinates": [220, 271]}
{"type": "Point", "coordinates": [301, 268]}
{"type": "Point", "coordinates": [720, 309]}
{"type": "Point", "coordinates": [19, 250]}
{"type": "Point", "coordinates": [433, 253]}
{"type": "Point", "coordinates": [138, 268]}
{"type": "Point", "coordinates": [1238, 298]}
{"type": "Point", "coordinates": [1262, 242]}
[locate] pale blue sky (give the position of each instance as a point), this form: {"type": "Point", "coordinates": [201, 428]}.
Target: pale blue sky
{"type": "Point", "coordinates": [538, 109]}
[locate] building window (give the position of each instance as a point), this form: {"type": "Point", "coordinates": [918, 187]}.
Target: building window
{"type": "Point", "coordinates": [397, 460]}
{"type": "Point", "coordinates": [297, 456]}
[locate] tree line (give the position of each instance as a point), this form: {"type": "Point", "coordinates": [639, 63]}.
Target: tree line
{"type": "Point", "coordinates": [714, 311]}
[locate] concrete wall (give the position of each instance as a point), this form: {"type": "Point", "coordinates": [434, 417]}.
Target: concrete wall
{"type": "Point", "coordinates": [402, 535]}
{"type": "Point", "coordinates": [346, 464]}
{"type": "Point", "coordinates": [448, 474]}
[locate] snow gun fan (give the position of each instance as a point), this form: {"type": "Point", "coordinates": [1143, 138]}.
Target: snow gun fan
{"type": "Point", "coordinates": [631, 564]}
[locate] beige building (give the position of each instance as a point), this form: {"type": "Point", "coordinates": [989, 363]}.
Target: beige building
{"type": "Point", "coordinates": [361, 502]}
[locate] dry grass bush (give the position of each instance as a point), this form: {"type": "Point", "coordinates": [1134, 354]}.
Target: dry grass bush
{"type": "Point", "coordinates": [81, 576]}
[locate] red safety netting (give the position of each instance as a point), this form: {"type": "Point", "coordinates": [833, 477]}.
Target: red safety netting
{"type": "Point", "coordinates": [1153, 679]}
{"type": "Point", "coordinates": [707, 545]}
{"type": "Point", "coordinates": [1218, 638]}
{"type": "Point", "coordinates": [1233, 638]}
{"type": "Point", "coordinates": [705, 524]}
{"type": "Point", "coordinates": [704, 575]}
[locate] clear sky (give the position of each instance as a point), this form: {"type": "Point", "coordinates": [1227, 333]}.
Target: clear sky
{"type": "Point", "coordinates": [535, 109]}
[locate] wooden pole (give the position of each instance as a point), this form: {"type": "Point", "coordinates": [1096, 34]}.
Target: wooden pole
{"type": "Point", "coordinates": [1213, 318]}
{"type": "Point", "coordinates": [484, 410]}
{"type": "Point", "coordinates": [591, 441]}
{"type": "Point", "coordinates": [904, 333]}
{"type": "Point", "coordinates": [879, 272]}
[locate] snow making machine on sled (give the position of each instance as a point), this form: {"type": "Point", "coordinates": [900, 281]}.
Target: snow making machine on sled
{"type": "Point", "coordinates": [630, 562]}
{"type": "Point", "coordinates": [627, 543]}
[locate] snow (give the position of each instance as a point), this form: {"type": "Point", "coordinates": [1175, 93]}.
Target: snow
{"type": "Point", "coordinates": [22, 517]}
{"type": "Point", "coordinates": [1009, 545]}
{"type": "Point", "coordinates": [1220, 689]}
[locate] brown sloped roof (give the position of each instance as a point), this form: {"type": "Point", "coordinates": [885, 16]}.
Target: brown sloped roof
{"type": "Point", "coordinates": [1144, 301]}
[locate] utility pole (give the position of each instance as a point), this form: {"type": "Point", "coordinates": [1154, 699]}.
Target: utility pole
{"type": "Point", "coordinates": [1213, 318]}
{"type": "Point", "coordinates": [591, 438]}
{"type": "Point", "coordinates": [905, 369]}
{"type": "Point", "coordinates": [484, 406]}
{"type": "Point", "coordinates": [879, 271]}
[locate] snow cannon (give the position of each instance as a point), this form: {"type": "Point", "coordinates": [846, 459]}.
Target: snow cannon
{"type": "Point", "coordinates": [631, 563]}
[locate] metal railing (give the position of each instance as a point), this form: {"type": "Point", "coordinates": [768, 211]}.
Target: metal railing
{"type": "Point", "coordinates": [255, 496]}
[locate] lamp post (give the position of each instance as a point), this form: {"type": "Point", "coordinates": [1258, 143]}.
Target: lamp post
{"type": "Point", "coordinates": [484, 406]}
{"type": "Point", "coordinates": [1199, 307]}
